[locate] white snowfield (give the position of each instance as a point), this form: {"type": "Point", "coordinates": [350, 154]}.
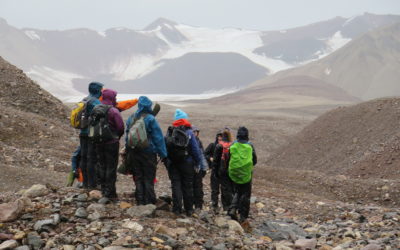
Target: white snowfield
{"type": "Point", "coordinates": [32, 34]}
{"type": "Point", "coordinates": [199, 39]}
{"type": "Point", "coordinates": [165, 98]}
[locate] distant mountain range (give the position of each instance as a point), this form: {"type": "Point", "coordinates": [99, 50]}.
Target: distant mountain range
{"type": "Point", "coordinates": [367, 67]}
{"type": "Point", "coordinates": [167, 57]}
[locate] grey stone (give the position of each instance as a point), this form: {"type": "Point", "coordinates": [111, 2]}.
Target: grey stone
{"type": "Point", "coordinates": [80, 247]}
{"type": "Point", "coordinates": [253, 199]}
{"type": "Point", "coordinates": [104, 200]}
{"type": "Point", "coordinates": [371, 247]}
{"type": "Point", "coordinates": [184, 222]}
{"type": "Point", "coordinates": [304, 244]}
{"type": "Point", "coordinates": [81, 213]}
{"type": "Point", "coordinates": [389, 216]}
{"type": "Point", "coordinates": [278, 230]}
{"type": "Point", "coordinates": [220, 246]}
{"type": "Point", "coordinates": [96, 207]}
{"type": "Point", "coordinates": [103, 242]}
{"type": "Point", "coordinates": [44, 225]}
{"type": "Point", "coordinates": [82, 197]}
{"type": "Point", "coordinates": [35, 241]}
{"type": "Point", "coordinates": [208, 245]}
{"type": "Point", "coordinates": [36, 191]}
{"type": "Point", "coordinates": [142, 211]}
{"type": "Point", "coordinates": [56, 218]}
{"type": "Point", "coordinates": [94, 216]}
{"type": "Point", "coordinates": [24, 247]}
{"type": "Point", "coordinates": [8, 244]}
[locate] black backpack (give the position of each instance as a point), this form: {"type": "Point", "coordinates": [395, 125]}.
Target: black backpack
{"type": "Point", "coordinates": [177, 142]}
{"type": "Point", "coordinates": [99, 129]}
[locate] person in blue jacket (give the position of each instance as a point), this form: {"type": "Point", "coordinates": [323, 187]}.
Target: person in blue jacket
{"type": "Point", "coordinates": [88, 152]}
{"type": "Point", "coordinates": [182, 171]}
{"type": "Point", "coordinates": [143, 162]}
{"type": "Point", "coordinates": [201, 171]}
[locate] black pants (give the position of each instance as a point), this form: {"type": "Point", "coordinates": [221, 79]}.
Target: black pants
{"type": "Point", "coordinates": [144, 167]}
{"type": "Point", "coordinates": [107, 156]}
{"type": "Point", "coordinates": [88, 162]}
{"type": "Point", "coordinates": [198, 190]}
{"type": "Point", "coordinates": [182, 176]}
{"type": "Point", "coordinates": [241, 199]}
{"type": "Point", "coordinates": [221, 181]}
{"type": "Point", "coordinates": [215, 187]}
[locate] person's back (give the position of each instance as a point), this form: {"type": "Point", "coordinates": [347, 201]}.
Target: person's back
{"type": "Point", "coordinates": [242, 158]}
{"type": "Point", "coordinates": [108, 151]}
{"type": "Point", "coordinates": [143, 161]}
{"type": "Point", "coordinates": [88, 153]}
{"type": "Point", "coordinates": [181, 171]}
{"type": "Point", "coordinates": [220, 166]}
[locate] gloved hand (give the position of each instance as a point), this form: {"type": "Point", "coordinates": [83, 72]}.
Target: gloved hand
{"type": "Point", "coordinates": [197, 169]}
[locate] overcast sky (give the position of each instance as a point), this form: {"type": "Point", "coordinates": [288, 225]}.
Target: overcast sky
{"type": "Point", "coordinates": [137, 14]}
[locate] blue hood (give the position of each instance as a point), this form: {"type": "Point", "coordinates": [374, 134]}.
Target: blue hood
{"type": "Point", "coordinates": [144, 106]}
{"type": "Point", "coordinates": [95, 89]}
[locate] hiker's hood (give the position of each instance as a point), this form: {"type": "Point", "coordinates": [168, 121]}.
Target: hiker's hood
{"type": "Point", "coordinates": [180, 114]}
{"type": "Point", "coordinates": [182, 122]}
{"type": "Point", "coordinates": [194, 128]}
{"type": "Point", "coordinates": [95, 89]}
{"type": "Point", "coordinates": [144, 106]}
{"type": "Point", "coordinates": [109, 97]}
{"type": "Point", "coordinates": [242, 134]}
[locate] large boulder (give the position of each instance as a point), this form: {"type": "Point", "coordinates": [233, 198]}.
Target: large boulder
{"type": "Point", "coordinates": [36, 191]}
{"type": "Point", "coordinates": [142, 211]}
{"type": "Point", "coordinates": [278, 230]}
{"type": "Point", "coordinates": [11, 211]}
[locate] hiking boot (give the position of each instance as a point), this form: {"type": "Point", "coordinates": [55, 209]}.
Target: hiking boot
{"type": "Point", "coordinates": [232, 214]}
{"type": "Point", "coordinates": [189, 213]}
{"type": "Point", "coordinates": [215, 209]}
{"type": "Point", "coordinates": [197, 211]}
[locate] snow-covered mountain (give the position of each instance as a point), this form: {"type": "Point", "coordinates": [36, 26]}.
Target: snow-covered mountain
{"type": "Point", "coordinates": [167, 57]}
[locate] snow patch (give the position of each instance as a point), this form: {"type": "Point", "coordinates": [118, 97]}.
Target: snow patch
{"type": "Point", "coordinates": [327, 71]}
{"type": "Point", "coordinates": [161, 97]}
{"type": "Point", "coordinates": [283, 31]}
{"type": "Point", "coordinates": [337, 41]}
{"type": "Point", "coordinates": [348, 21]}
{"type": "Point", "coordinates": [134, 67]}
{"type": "Point", "coordinates": [57, 82]}
{"type": "Point", "coordinates": [32, 34]}
{"type": "Point", "coordinates": [102, 33]}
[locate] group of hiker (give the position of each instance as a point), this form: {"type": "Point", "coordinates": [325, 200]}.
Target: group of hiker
{"type": "Point", "coordinates": [180, 150]}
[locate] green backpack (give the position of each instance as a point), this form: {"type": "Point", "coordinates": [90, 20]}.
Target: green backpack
{"type": "Point", "coordinates": [241, 162]}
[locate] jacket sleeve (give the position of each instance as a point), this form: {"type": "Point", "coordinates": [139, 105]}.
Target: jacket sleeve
{"type": "Point", "coordinates": [194, 148]}
{"type": "Point", "coordinates": [128, 124]}
{"type": "Point", "coordinates": [157, 137]}
{"type": "Point", "coordinates": [254, 155]}
{"type": "Point", "coordinates": [217, 156]}
{"type": "Point", "coordinates": [124, 105]}
{"type": "Point", "coordinates": [117, 121]}
{"type": "Point", "coordinates": [209, 152]}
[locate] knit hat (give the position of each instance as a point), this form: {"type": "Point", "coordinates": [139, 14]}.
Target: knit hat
{"type": "Point", "coordinates": [179, 114]}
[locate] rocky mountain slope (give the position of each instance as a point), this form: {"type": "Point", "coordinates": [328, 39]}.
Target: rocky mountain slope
{"type": "Point", "coordinates": [365, 68]}
{"type": "Point", "coordinates": [356, 146]}
{"type": "Point", "coordinates": [34, 129]}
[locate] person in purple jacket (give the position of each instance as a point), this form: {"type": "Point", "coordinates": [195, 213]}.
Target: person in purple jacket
{"type": "Point", "coordinates": [108, 152]}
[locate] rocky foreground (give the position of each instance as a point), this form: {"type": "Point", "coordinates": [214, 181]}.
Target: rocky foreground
{"type": "Point", "coordinates": [46, 217]}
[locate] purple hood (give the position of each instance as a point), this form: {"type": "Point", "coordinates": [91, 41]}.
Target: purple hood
{"type": "Point", "coordinates": [109, 97]}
